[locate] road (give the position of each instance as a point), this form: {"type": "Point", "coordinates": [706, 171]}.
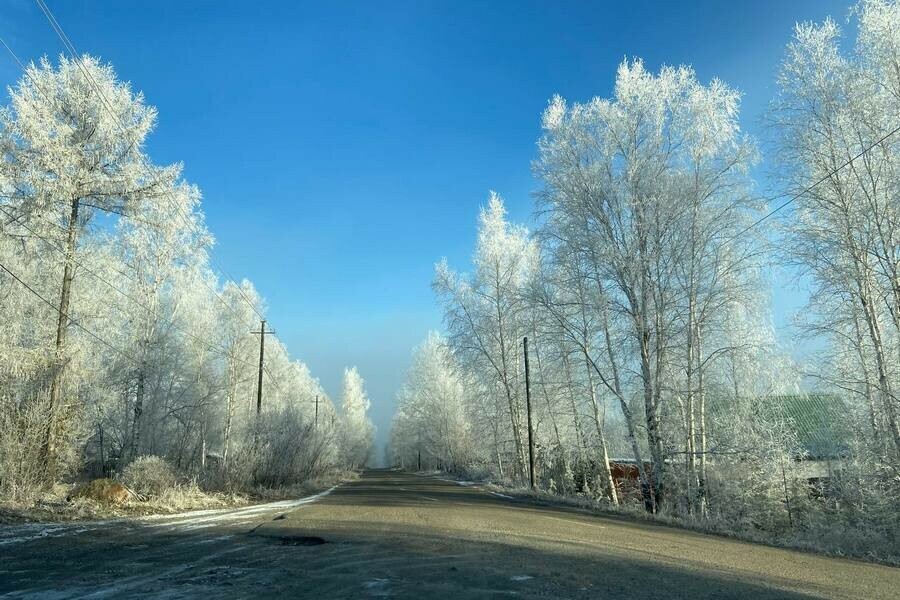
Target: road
{"type": "Point", "coordinates": [397, 535]}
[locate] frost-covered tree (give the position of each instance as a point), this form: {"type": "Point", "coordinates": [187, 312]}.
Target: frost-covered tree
{"type": "Point", "coordinates": [356, 429]}
{"type": "Point", "coordinates": [117, 338]}
{"type": "Point", "coordinates": [73, 148]}
{"type": "Point", "coordinates": [845, 231]}
{"type": "Point", "coordinates": [432, 426]}
{"type": "Point", "coordinates": [239, 345]}
{"type": "Point", "coordinates": [485, 314]}
{"type": "Point", "coordinates": [155, 257]}
{"type": "Point", "coordinates": [648, 190]}
{"type": "Point", "coordinates": [644, 295]}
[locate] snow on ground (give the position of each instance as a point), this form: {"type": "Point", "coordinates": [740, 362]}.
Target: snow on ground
{"type": "Point", "coordinates": [458, 482]}
{"type": "Point", "coordinates": [477, 485]}
{"type": "Point", "coordinates": [503, 495]}
{"type": "Point", "coordinates": [186, 521]}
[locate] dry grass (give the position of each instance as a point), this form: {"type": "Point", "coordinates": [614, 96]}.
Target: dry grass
{"type": "Point", "coordinates": [308, 487]}
{"type": "Point", "coordinates": [52, 505]}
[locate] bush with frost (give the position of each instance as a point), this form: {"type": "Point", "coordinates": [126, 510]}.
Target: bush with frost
{"type": "Point", "coordinates": [149, 476]}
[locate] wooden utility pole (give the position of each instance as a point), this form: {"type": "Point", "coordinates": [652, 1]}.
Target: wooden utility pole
{"type": "Point", "coordinates": [262, 351]}
{"type": "Point", "coordinates": [317, 411]}
{"type": "Point", "coordinates": [528, 408]}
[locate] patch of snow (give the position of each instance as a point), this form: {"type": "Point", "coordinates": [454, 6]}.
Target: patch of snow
{"type": "Point", "coordinates": [376, 587]}
{"type": "Point", "coordinates": [35, 531]}
{"type": "Point", "coordinates": [186, 521]}
{"type": "Point", "coordinates": [221, 538]}
{"type": "Point", "coordinates": [204, 518]}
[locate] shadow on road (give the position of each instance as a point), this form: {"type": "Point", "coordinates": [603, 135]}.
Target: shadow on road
{"type": "Point", "coordinates": [365, 560]}
{"type": "Point", "coordinates": [400, 536]}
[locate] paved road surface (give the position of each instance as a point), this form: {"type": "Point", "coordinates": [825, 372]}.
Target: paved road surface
{"type": "Point", "coordinates": [396, 535]}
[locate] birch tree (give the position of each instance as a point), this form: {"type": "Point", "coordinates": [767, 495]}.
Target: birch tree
{"type": "Point", "coordinates": [833, 114]}
{"type": "Point", "coordinates": [648, 189]}
{"type": "Point", "coordinates": [432, 411]}
{"type": "Point", "coordinates": [485, 314]}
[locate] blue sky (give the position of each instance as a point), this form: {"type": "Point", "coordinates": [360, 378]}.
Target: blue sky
{"type": "Point", "coordinates": [343, 148]}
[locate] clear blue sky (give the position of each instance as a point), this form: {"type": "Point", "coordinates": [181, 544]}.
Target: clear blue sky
{"type": "Point", "coordinates": [343, 148]}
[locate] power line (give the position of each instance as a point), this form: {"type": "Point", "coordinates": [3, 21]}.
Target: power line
{"type": "Point", "coordinates": [272, 379]}
{"type": "Point", "coordinates": [73, 52]}
{"type": "Point", "coordinates": [67, 317]}
{"type": "Point", "coordinates": [208, 345]}
{"type": "Point", "coordinates": [15, 57]}
{"type": "Point", "coordinates": [146, 166]}
{"type": "Point", "coordinates": [822, 179]}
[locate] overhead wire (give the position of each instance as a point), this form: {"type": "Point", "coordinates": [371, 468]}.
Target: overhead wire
{"type": "Point", "coordinates": [190, 225]}
{"type": "Point", "coordinates": [132, 217]}
{"type": "Point", "coordinates": [140, 303]}
{"type": "Point", "coordinates": [73, 52]}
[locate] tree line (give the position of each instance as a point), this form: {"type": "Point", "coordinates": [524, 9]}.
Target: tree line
{"type": "Point", "coordinates": [645, 293]}
{"type": "Point", "coordinates": [118, 337]}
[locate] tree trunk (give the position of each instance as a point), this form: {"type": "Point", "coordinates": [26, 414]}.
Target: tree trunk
{"type": "Point", "coordinates": [537, 356]}
{"type": "Point", "coordinates": [652, 420]}
{"type": "Point", "coordinates": [102, 453]}
{"type": "Point", "coordinates": [880, 363]}
{"type": "Point", "coordinates": [692, 480]}
{"type": "Point", "coordinates": [62, 325]}
{"type": "Point", "coordinates": [229, 414]}
{"type": "Point", "coordinates": [604, 454]}
{"type": "Point", "coordinates": [138, 412]}
{"type": "Point", "coordinates": [702, 489]}
{"type": "Point", "coordinates": [510, 400]}
{"type": "Point", "coordinates": [646, 491]}
{"type": "Point", "coordinates": [579, 432]}
{"type": "Point", "coordinates": [867, 383]}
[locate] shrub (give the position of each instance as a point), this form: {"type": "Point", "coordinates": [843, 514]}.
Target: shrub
{"type": "Point", "coordinates": [23, 460]}
{"type": "Point", "coordinates": [149, 476]}
{"type": "Point", "coordinates": [105, 491]}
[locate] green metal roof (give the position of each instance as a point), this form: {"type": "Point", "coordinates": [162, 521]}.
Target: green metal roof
{"type": "Point", "coordinates": [820, 422]}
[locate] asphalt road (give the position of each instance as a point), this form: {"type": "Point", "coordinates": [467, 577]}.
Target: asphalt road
{"type": "Point", "coordinates": [397, 535]}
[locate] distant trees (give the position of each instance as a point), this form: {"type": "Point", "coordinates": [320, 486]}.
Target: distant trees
{"type": "Point", "coordinates": [117, 338]}
{"type": "Point", "coordinates": [357, 432]}
{"type": "Point", "coordinates": [432, 428]}
{"type": "Point", "coordinates": [644, 296]}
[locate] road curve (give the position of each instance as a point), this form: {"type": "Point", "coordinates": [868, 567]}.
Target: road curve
{"type": "Point", "coordinates": [397, 535]}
